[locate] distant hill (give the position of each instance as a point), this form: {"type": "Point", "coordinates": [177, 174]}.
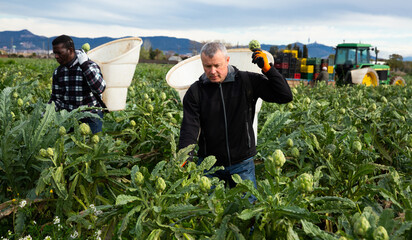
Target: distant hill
{"type": "Point", "coordinates": [314, 49]}
{"type": "Point", "coordinates": [24, 40]}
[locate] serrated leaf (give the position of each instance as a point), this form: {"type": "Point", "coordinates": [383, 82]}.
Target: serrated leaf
{"type": "Point", "coordinates": [184, 210]}
{"type": "Point", "coordinates": [159, 166]}
{"type": "Point", "coordinates": [125, 221]}
{"type": "Point", "coordinates": [57, 178]}
{"type": "Point", "coordinates": [222, 230]}
{"type": "Point", "coordinates": [314, 231]}
{"type": "Point", "coordinates": [125, 199]}
{"type": "Point", "coordinates": [250, 213]}
{"type": "Point", "coordinates": [386, 219]}
{"type": "Point", "coordinates": [207, 163]}
{"type": "Point", "coordinates": [292, 235]}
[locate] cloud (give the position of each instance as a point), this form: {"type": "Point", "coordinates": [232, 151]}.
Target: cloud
{"type": "Point", "coordinates": [235, 21]}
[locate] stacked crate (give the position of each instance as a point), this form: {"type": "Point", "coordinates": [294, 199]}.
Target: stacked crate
{"type": "Point", "coordinates": [288, 64]}
{"type": "Point", "coordinates": [317, 66]}
{"type": "Point", "coordinates": [330, 68]}
{"type": "Point", "coordinates": [311, 67]}
{"type": "Point", "coordinates": [306, 69]}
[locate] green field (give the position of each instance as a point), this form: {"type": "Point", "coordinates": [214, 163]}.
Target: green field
{"type": "Point", "coordinates": [347, 173]}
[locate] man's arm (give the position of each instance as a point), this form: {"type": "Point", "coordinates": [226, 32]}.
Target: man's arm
{"type": "Point", "coordinates": [93, 76]}
{"type": "Point", "coordinates": [91, 72]}
{"type": "Point", "coordinates": [190, 127]}
{"type": "Point", "coordinates": [273, 87]}
{"type": "Point", "coordinates": [57, 92]}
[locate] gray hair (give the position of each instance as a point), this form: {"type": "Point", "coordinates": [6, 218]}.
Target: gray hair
{"type": "Point", "coordinates": [210, 48]}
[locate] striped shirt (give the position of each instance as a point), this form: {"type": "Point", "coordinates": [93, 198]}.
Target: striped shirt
{"type": "Point", "coordinates": [73, 83]}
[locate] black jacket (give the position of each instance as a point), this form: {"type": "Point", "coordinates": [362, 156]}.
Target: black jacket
{"type": "Point", "coordinates": [220, 111]}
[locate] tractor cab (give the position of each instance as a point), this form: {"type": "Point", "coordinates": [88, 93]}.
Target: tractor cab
{"type": "Point", "coordinates": [352, 54]}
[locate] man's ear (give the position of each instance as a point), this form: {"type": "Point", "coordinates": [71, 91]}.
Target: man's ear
{"type": "Point", "coordinates": [71, 50]}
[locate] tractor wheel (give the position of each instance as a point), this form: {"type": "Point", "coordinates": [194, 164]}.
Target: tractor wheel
{"type": "Point", "coordinates": [371, 78]}
{"type": "Point", "coordinates": [397, 80]}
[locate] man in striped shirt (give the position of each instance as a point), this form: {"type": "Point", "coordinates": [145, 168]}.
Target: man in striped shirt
{"type": "Point", "coordinates": [77, 82]}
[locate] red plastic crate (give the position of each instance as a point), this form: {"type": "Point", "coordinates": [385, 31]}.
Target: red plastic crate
{"type": "Point", "coordinates": [296, 76]}
{"type": "Point", "coordinates": [284, 65]}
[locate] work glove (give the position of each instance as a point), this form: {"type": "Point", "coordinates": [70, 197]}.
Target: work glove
{"type": "Point", "coordinates": [82, 56]}
{"type": "Point", "coordinates": [260, 58]}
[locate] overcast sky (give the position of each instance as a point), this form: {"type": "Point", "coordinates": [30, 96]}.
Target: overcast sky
{"type": "Point", "coordinates": [385, 24]}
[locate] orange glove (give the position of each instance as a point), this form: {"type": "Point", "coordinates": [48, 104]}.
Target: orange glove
{"type": "Point", "coordinates": [261, 60]}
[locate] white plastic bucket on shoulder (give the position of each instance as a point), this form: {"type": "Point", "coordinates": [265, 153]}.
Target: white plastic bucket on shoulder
{"type": "Point", "coordinates": [117, 60]}
{"type": "Point", "coordinates": [186, 72]}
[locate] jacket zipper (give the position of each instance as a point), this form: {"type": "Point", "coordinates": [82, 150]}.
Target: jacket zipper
{"type": "Point", "coordinates": [226, 129]}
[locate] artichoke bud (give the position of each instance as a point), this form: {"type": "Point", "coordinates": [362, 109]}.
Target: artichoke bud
{"type": "Point", "coordinates": [279, 158]}
{"type": "Point", "coordinates": [139, 179]}
{"type": "Point", "coordinates": [295, 152]}
{"type": "Point", "coordinates": [380, 233]}
{"type": "Point", "coordinates": [160, 184]}
{"type": "Point", "coordinates": [357, 146]}
{"type": "Point", "coordinates": [304, 182]}
{"type": "Point", "coordinates": [50, 152]}
{"type": "Point", "coordinates": [254, 44]}
{"type": "Point", "coordinates": [163, 96]}
{"type": "Point", "coordinates": [20, 102]}
{"type": "Point", "coordinates": [289, 143]}
{"type": "Point", "coordinates": [84, 129]}
{"type": "Point", "coordinates": [62, 131]}
{"type": "Point", "coordinates": [150, 108]}
{"type": "Point", "coordinates": [86, 47]}
{"type": "Point", "coordinates": [361, 226]}
{"type": "Point", "coordinates": [43, 152]}
{"type": "Point", "coordinates": [205, 184]}
{"type": "Point", "coordinates": [373, 107]}
{"type": "Point", "coordinates": [95, 139]}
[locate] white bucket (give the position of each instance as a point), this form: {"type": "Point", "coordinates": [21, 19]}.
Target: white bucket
{"type": "Point", "coordinates": [186, 72]}
{"type": "Point", "coordinates": [117, 60]}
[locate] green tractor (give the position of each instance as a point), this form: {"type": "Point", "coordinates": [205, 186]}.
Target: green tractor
{"type": "Point", "coordinates": [353, 65]}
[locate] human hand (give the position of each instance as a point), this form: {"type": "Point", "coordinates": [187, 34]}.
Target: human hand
{"type": "Point", "coordinates": [82, 56]}
{"type": "Point", "coordinates": [260, 58]}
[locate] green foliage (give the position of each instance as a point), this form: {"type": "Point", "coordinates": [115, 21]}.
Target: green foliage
{"type": "Point", "coordinates": [346, 154]}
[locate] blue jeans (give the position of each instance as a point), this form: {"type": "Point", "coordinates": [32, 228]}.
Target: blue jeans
{"type": "Point", "coordinates": [94, 123]}
{"type": "Point", "coordinates": [245, 169]}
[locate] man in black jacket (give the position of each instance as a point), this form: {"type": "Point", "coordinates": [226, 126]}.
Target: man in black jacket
{"type": "Point", "coordinates": [218, 110]}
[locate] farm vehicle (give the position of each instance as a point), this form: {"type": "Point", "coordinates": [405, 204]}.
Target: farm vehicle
{"type": "Point", "coordinates": [354, 65]}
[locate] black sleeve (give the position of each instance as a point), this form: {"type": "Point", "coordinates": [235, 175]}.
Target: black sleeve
{"type": "Point", "coordinates": [189, 130]}
{"type": "Point", "coordinates": [271, 87]}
